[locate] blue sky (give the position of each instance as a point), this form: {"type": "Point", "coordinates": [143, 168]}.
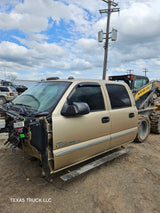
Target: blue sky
{"type": "Point", "coordinates": [44, 38]}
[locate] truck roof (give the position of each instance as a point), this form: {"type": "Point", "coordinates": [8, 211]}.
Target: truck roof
{"type": "Point", "coordinates": [76, 80]}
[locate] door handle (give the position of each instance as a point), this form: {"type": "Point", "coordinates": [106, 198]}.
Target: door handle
{"type": "Point", "coordinates": [105, 119]}
{"type": "Point", "coordinates": [131, 115]}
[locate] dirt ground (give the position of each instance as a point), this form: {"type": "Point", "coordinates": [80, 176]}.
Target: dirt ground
{"type": "Point", "coordinates": [128, 184]}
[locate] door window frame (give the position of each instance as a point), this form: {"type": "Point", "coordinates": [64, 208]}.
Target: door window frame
{"type": "Point", "coordinates": [88, 84]}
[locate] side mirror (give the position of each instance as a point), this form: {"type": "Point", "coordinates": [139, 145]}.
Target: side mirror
{"type": "Point", "coordinates": [76, 108]}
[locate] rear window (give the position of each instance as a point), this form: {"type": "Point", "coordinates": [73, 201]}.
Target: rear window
{"type": "Point", "coordinates": [4, 89]}
{"type": "Point", "coordinates": [118, 95]}
{"type": "Point", "coordinates": [139, 83]}
{"type": "Point", "coordinates": [13, 89]}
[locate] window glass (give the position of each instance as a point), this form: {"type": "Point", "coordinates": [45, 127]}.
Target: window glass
{"type": "Point", "coordinates": [91, 95]}
{"type": "Point", "coordinates": [139, 83]}
{"type": "Point", "coordinates": [13, 89]}
{"type": "Point", "coordinates": [43, 95]}
{"type": "Point", "coordinates": [125, 81]}
{"type": "Point", "coordinates": [118, 95]}
{"type": "Point", "coordinates": [4, 89]}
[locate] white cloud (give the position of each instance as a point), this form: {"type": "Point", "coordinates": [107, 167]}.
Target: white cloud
{"type": "Point", "coordinates": [75, 50]}
{"type": "Point", "coordinates": [23, 22]}
{"type": "Point", "coordinates": [22, 58]}
{"type": "Point", "coordinates": [76, 72]}
{"type": "Point", "coordinates": [47, 8]}
{"type": "Point", "coordinates": [89, 46]}
{"type": "Point", "coordinates": [33, 16]}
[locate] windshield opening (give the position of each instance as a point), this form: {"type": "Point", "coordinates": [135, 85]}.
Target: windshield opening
{"type": "Point", "coordinates": [42, 96]}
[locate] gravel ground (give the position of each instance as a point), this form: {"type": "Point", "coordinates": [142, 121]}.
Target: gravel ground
{"type": "Point", "coordinates": [128, 184]}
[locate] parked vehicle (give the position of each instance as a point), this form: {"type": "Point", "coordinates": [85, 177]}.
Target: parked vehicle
{"type": "Point", "coordinates": [147, 98]}
{"type": "Point", "coordinates": [7, 94]}
{"type": "Point", "coordinates": [19, 88]}
{"type": "Point", "coordinates": [65, 122]}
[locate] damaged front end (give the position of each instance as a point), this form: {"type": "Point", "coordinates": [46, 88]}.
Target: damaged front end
{"type": "Point", "coordinates": [29, 131]}
{"type": "Point", "coordinates": [28, 120]}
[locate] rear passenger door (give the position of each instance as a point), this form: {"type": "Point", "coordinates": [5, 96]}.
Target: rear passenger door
{"type": "Point", "coordinates": [123, 114]}
{"type": "Point", "coordinates": [81, 137]}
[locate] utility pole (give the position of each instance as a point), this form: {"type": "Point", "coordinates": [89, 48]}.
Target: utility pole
{"type": "Point", "coordinates": [108, 11]}
{"type": "Point", "coordinates": [145, 71]}
{"type": "Point", "coordinates": [130, 71]}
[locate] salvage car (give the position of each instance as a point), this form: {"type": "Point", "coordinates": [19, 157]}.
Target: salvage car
{"type": "Point", "coordinates": [19, 88]}
{"type": "Point", "coordinates": [7, 94]}
{"type": "Point", "coordinates": [65, 122]}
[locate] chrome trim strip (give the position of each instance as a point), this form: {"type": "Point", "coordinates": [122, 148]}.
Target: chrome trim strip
{"type": "Point", "coordinates": [113, 136]}
{"type": "Point", "coordinates": [83, 146]}
{"type": "Point", "coordinates": [116, 135]}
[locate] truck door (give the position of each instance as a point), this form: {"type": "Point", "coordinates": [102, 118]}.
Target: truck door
{"type": "Point", "coordinates": [124, 115]}
{"type": "Point", "coordinates": [81, 137]}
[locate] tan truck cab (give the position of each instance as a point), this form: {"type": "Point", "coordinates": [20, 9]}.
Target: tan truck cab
{"type": "Point", "coordinates": [65, 122]}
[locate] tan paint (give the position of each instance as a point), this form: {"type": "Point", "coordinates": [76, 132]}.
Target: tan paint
{"type": "Point", "coordinates": [76, 139]}
{"type": "Point", "coordinates": [86, 136]}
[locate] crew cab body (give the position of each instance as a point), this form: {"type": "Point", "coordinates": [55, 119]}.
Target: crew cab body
{"type": "Point", "coordinates": [74, 120]}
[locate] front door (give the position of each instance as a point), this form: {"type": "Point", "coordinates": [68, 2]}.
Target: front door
{"type": "Point", "coordinates": [81, 137]}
